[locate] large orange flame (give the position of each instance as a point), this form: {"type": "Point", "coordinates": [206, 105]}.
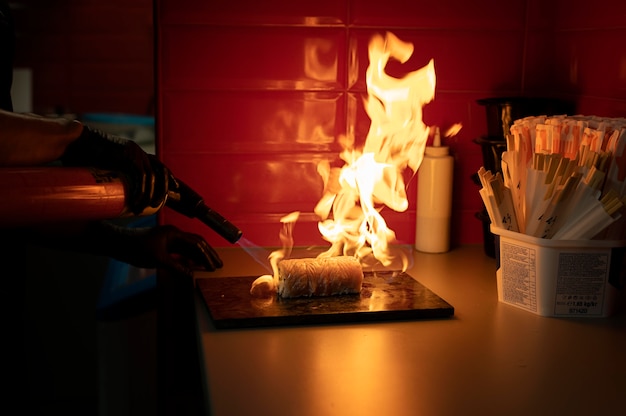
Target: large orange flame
{"type": "Point", "coordinates": [354, 195]}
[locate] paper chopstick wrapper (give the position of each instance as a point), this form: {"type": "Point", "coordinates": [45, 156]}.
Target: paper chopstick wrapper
{"type": "Point", "coordinates": [563, 177]}
{"type": "Point", "coordinates": [601, 215]}
{"type": "Point", "coordinates": [497, 199]}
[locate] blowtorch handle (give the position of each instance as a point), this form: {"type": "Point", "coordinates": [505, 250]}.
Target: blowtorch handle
{"type": "Point", "coordinates": [184, 200]}
{"type": "Point", "coordinates": [218, 223]}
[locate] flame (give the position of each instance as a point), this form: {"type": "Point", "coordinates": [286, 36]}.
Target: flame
{"type": "Point", "coordinates": [371, 178]}
{"type": "Point", "coordinates": [286, 239]}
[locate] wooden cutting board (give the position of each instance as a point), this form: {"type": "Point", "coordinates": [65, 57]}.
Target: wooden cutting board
{"type": "Point", "coordinates": [385, 296]}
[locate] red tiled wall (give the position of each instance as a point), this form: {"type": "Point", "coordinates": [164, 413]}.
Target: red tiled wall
{"type": "Point", "coordinates": [590, 57]}
{"type": "Point", "coordinates": [87, 55]}
{"type": "Point", "coordinates": [244, 114]}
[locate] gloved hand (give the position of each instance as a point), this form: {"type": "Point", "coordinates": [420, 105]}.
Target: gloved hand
{"type": "Point", "coordinates": [147, 178]}
{"type": "Point", "coordinates": [165, 246]}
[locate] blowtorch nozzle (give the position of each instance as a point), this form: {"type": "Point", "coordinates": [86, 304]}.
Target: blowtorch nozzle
{"type": "Point", "coordinates": [218, 223]}
{"type": "Point", "coordinates": [183, 199]}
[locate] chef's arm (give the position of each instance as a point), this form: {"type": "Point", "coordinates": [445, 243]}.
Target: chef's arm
{"type": "Point", "coordinates": [32, 140]}
{"type": "Point", "coordinates": [164, 246]}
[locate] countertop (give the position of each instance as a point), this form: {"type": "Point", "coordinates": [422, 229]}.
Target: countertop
{"type": "Point", "coordinates": [489, 358]}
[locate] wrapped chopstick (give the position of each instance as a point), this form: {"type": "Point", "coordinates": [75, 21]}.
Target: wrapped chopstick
{"type": "Point", "coordinates": [563, 177]}
{"type": "Point", "coordinates": [497, 199]}
{"type": "Point", "coordinates": [601, 214]}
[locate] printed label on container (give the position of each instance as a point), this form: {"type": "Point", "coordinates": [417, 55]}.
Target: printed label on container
{"type": "Point", "coordinates": [580, 283]}
{"type": "Point", "coordinates": [519, 266]}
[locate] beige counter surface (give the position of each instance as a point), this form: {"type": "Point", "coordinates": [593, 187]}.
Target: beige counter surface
{"type": "Point", "coordinates": [488, 359]}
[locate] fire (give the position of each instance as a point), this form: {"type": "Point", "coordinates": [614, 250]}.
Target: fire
{"type": "Point", "coordinates": [371, 178]}
{"type": "Point", "coordinates": [286, 239]}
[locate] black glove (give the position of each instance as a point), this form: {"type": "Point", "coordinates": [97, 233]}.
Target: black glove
{"type": "Point", "coordinates": [165, 246]}
{"type": "Point", "coordinates": [147, 178]}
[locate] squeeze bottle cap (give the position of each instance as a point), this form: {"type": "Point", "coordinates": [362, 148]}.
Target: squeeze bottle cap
{"type": "Point", "coordinates": [436, 149]}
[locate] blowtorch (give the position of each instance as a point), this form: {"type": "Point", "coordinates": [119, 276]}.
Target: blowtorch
{"type": "Point", "coordinates": [184, 200]}
{"type": "Point", "coordinates": [30, 196]}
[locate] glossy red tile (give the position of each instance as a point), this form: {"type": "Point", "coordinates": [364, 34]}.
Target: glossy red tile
{"type": "Point", "coordinates": [441, 14]}
{"type": "Point", "coordinates": [85, 55]}
{"type": "Point", "coordinates": [252, 121]}
{"type": "Point", "coordinates": [252, 183]}
{"type": "Point", "coordinates": [132, 18]}
{"type": "Point", "coordinates": [449, 108]}
{"type": "Point", "coordinates": [588, 63]}
{"type": "Point", "coordinates": [540, 14]}
{"type": "Point", "coordinates": [203, 57]}
{"type": "Point", "coordinates": [466, 164]}
{"type": "Point", "coordinates": [466, 228]}
{"type": "Point", "coordinates": [464, 60]}
{"type": "Point", "coordinates": [539, 71]}
{"type": "Point", "coordinates": [92, 75]}
{"type": "Point", "coordinates": [583, 15]}
{"type": "Point", "coordinates": [57, 79]}
{"type": "Point", "coordinates": [598, 106]}
{"type": "Point", "coordinates": [117, 48]}
{"type": "Point", "coordinates": [252, 96]}
{"type": "Point", "coordinates": [251, 12]}
{"type": "Point", "coordinates": [37, 48]}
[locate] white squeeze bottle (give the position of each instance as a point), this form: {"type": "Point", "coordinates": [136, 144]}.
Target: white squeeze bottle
{"type": "Point", "coordinates": [434, 198]}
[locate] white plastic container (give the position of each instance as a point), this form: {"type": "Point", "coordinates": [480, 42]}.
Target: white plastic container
{"type": "Point", "coordinates": [434, 199]}
{"type": "Point", "coordinates": [576, 278]}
